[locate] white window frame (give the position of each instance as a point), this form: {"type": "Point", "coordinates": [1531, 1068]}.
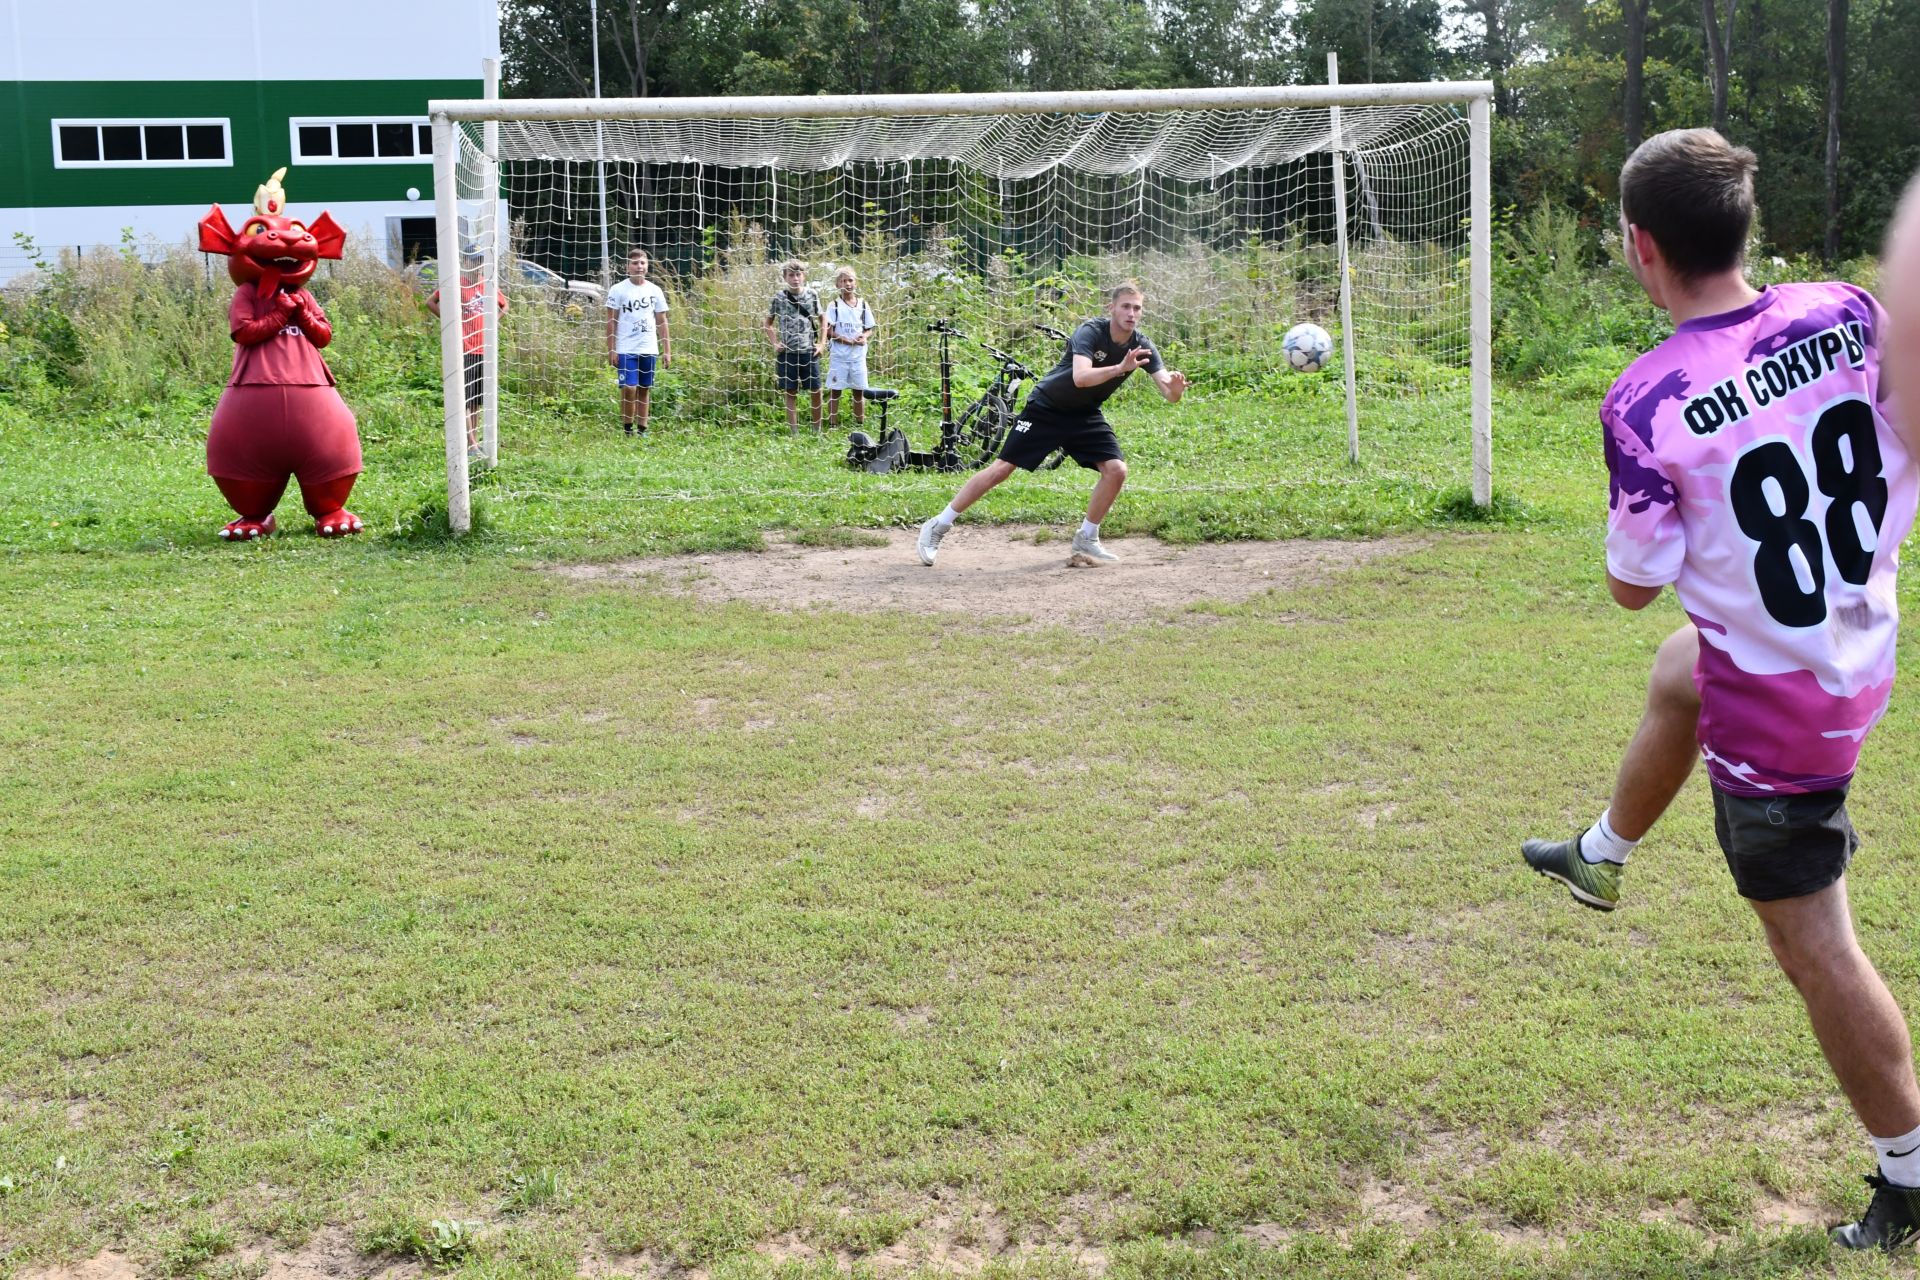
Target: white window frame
{"type": "Point", "coordinates": [142, 122]}
{"type": "Point", "coordinates": [295, 124]}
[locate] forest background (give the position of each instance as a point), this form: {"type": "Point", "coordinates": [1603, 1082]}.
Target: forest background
{"type": "Point", "coordinates": [1819, 88]}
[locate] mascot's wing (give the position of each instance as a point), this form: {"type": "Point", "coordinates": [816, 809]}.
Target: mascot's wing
{"type": "Point", "coordinates": [332, 239]}
{"type": "Point", "coordinates": [216, 235]}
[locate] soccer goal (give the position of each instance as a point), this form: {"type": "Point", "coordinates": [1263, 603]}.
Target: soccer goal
{"type": "Point", "coordinates": [1364, 208]}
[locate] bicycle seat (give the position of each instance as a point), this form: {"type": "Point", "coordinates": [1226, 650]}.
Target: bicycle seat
{"type": "Point", "coordinates": [878, 393]}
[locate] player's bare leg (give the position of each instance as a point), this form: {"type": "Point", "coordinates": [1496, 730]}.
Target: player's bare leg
{"type": "Point", "coordinates": [1661, 756]}
{"type": "Point", "coordinates": [1657, 763]}
{"type": "Point", "coordinates": [1854, 1017]}
{"type": "Point", "coordinates": [816, 412]}
{"type": "Point", "coordinates": [1113, 475]}
{"type": "Point", "coordinates": [642, 406]}
{"type": "Point", "coordinates": [793, 413]}
{"type": "Point", "coordinates": [977, 486]}
{"type": "Point", "coordinates": [1864, 1037]}
{"type": "Point", "coordinates": [1086, 543]}
{"type": "Point", "coordinates": [980, 483]}
{"type": "Point", "coordinates": [833, 410]}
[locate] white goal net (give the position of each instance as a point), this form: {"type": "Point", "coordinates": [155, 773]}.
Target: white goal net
{"type": "Point", "coordinates": [999, 216]}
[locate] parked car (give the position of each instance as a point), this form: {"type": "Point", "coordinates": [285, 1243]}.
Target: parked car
{"type": "Point", "coordinates": [522, 272]}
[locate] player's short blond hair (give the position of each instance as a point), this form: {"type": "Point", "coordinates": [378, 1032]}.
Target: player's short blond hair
{"type": "Point", "coordinates": [792, 265]}
{"type": "Point", "coordinates": [845, 273]}
{"type": "Point", "coordinates": [1124, 289]}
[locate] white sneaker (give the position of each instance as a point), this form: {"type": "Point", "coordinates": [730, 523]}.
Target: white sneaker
{"type": "Point", "coordinates": [929, 544]}
{"type": "Point", "coordinates": [1092, 550]}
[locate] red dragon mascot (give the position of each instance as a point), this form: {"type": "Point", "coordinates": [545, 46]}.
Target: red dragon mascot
{"type": "Point", "coordinates": [280, 415]}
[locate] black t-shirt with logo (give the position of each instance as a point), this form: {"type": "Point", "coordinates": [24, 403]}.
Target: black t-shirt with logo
{"type": "Point", "coordinates": [1094, 339]}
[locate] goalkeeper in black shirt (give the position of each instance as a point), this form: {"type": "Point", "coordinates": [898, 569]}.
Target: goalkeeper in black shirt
{"type": "Point", "coordinates": [1063, 412]}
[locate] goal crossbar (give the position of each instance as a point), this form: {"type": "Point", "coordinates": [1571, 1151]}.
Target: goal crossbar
{"type": "Point", "coordinates": [1270, 98]}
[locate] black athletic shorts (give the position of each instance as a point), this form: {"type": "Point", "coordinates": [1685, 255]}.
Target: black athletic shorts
{"type": "Point", "coordinates": [476, 364]}
{"type": "Point", "coordinates": [1038, 431]}
{"type": "Point", "coordinates": [796, 371]}
{"type": "Point", "coordinates": [1784, 846]}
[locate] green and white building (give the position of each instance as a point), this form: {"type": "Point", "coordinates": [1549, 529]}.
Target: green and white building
{"type": "Point", "coordinates": [138, 114]}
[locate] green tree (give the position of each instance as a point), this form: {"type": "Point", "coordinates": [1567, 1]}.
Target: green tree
{"type": "Point", "coordinates": [1377, 40]}
{"type": "Point", "coordinates": [1077, 44]}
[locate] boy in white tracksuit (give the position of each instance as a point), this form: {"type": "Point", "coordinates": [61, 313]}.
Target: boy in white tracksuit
{"type": "Point", "coordinates": [850, 325]}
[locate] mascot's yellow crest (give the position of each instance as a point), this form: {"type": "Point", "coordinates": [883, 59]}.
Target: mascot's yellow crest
{"type": "Point", "coordinates": [270, 196]}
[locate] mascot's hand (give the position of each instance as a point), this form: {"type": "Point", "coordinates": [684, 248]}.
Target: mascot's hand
{"type": "Point", "coordinates": [314, 321]}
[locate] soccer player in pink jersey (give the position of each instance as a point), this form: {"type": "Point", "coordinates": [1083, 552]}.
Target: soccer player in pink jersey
{"type": "Point", "coordinates": [1756, 469]}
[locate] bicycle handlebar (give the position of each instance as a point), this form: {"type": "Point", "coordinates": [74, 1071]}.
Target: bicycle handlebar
{"type": "Point", "coordinates": [1013, 364]}
{"type": "Point", "coordinates": [1051, 332]}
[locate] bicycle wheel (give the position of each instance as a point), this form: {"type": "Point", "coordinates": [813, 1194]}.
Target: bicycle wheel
{"type": "Point", "coordinates": [983, 428]}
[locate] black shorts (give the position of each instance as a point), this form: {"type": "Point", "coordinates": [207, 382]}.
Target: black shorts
{"type": "Point", "coordinates": [476, 379]}
{"type": "Point", "coordinates": [1038, 431]}
{"type": "Point", "coordinates": [796, 371]}
{"type": "Point", "coordinates": [1784, 846]}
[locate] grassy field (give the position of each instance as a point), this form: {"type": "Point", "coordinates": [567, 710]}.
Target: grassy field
{"type": "Point", "coordinates": [394, 883]}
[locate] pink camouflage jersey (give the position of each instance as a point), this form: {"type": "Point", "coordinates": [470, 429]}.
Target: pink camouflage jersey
{"type": "Point", "coordinates": [1754, 467]}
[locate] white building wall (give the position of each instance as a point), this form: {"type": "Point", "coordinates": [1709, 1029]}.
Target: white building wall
{"type": "Point", "coordinates": [246, 39]}
{"type": "Point", "coordinates": [372, 227]}
{"type": "Point", "coordinates": [158, 228]}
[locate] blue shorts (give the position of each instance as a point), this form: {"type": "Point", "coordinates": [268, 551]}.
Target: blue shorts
{"type": "Point", "coordinates": [796, 371]}
{"type": "Point", "coordinates": [636, 371]}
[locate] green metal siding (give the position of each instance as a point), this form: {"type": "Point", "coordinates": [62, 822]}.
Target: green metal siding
{"type": "Point", "coordinates": [259, 112]}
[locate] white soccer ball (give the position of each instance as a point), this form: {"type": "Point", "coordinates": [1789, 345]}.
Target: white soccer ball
{"type": "Point", "coordinates": [1308, 347]}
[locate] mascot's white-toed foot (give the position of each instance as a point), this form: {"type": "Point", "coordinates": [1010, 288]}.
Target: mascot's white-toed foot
{"type": "Point", "coordinates": [338, 524]}
{"type": "Point", "coordinates": [245, 530]}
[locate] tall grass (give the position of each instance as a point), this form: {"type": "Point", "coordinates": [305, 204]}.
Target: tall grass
{"type": "Point", "coordinates": [119, 336]}
{"type": "Point", "coordinates": [130, 331]}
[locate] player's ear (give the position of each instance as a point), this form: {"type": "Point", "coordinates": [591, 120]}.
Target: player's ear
{"type": "Point", "coordinates": [1641, 246]}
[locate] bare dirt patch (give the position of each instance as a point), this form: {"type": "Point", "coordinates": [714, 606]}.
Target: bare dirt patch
{"type": "Point", "coordinates": [105, 1265]}
{"type": "Point", "coordinates": [330, 1254]}
{"type": "Point", "coordinates": [1002, 573]}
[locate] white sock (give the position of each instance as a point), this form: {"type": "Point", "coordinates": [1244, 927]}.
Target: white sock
{"type": "Point", "coordinates": [1602, 843]}
{"type": "Point", "coordinates": [1088, 529]}
{"type": "Point", "coordinates": [945, 519]}
{"type": "Point", "coordinates": [1900, 1158]}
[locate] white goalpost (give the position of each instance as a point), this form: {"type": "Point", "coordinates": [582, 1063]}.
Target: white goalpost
{"type": "Point", "coordinates": [1240, 210]}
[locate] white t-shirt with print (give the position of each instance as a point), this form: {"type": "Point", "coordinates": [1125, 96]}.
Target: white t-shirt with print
{"type": "Point", "coordinates": [846, 323]}
{"type": "Point", "coordinates": [637, 304]}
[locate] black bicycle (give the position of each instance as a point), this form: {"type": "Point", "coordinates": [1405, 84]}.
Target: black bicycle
{"type": "Point", "coordinates": [983, 425]}
{"type": "Point", "coordinates": [968, 441]}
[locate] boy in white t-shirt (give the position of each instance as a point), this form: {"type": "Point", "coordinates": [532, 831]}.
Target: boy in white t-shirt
{"type": "Point", "coordinates": [850, 325]}
{"type": "Point", "coordinates": [637, 338]}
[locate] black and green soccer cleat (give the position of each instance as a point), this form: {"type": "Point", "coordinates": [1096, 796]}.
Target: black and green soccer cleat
{"type": "Point", "coordinates": [1892, 1218]}
{"type": "Point", "coordinates": [1593, 884]}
